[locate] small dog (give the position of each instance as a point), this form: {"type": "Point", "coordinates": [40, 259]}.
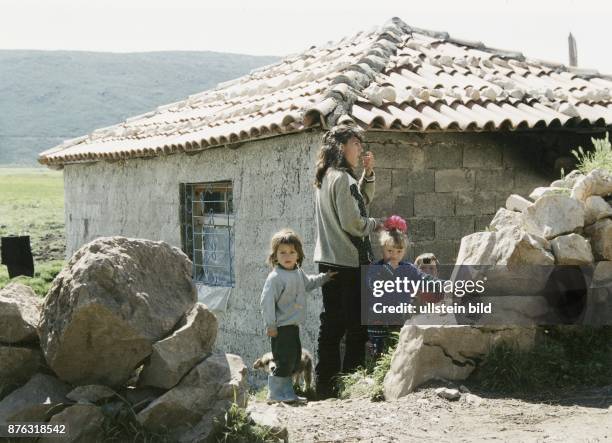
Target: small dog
{"type": "Point", "coordinates": [303, 371]}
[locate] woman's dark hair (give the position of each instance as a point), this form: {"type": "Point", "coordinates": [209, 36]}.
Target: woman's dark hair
{"type": "Point", "coordinates": [330, 153]}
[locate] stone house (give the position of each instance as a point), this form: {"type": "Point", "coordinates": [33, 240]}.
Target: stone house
{"type": "Point", "coordinates": [455, 127]}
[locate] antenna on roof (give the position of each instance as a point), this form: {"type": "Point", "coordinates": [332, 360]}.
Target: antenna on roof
{"type": "Point", "coordinates": [573, 51]}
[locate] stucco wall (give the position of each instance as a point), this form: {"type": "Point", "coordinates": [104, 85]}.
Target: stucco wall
{"type": "Point", "coordinates": [446, 185]}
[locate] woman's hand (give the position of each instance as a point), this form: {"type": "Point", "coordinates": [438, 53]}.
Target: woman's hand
{"type": "Point", "coordinates": [331, 274]}
{"type": "Point", "coordinates": [368, 163]}
{"type": "Point", "coordinates": [272, 332]}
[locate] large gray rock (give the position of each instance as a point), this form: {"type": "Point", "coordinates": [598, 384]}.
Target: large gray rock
{"type": "Point", "coordinates": [572, 249]}
{"type": "Point", "coordinates": [19, 314]}
{"type": "Point", "coordinates": [511, 260]}
{"type": "Point", "coordinates": [83, 421]}
{"type": "Point", "coordinates": [516, 202]}
{"type": "Point", "coordinates": [505, 218]}
{"type": "Point", "coordinates": [426, 353]}
{"type": "Point", "coordinates": [569, 180]}
{"type": "Point", "coordinates": [114, 299]}
{"type": "Point", "coordinates": [547, 190]}
{"type": "Point", "coordinates": [267, 417]}
{"type": "Point", "coordinates": [600, 234]}
{"type": "Point", "coordinates": [205, 393]}
{"type": "Point", "coordinates": [508, 247]}
{"type": "Point", "coordinates": [553, 215]}
{"type": "Point", "coordinates": [599, 297]}
{"type": "Point", "coordinates": [596, 208]}
{"type": "Point", "coordinates": [177, 354]}
{"type": "Point", "coordinates": [596, 182]}
{"type": "Point", "coordinates": [34, 401]}
{"type": "Point", "coordinates": [17, 366]}
{"type": "Point", "coordinates": [91, 394]}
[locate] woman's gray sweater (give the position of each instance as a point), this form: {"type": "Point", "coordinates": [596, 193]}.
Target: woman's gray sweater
{"type": "Point", "coordinates": [338, 218]}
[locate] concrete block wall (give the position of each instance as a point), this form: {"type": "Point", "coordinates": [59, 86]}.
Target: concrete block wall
{"type": "Point", "coordinates": [448, 185]}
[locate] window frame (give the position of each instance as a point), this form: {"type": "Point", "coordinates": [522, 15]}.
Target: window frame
{"type": "Point", "coordinates": [192, 202]}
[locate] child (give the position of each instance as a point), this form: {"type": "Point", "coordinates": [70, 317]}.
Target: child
{"type": "Point", "coordinates": [394, 243]}
{"type": "Point", "coordinates": [283, 304]}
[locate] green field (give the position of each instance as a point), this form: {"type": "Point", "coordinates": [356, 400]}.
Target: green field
{"type": "Point", "coordinates": [32, 203]}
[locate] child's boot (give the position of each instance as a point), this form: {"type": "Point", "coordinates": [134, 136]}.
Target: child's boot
{"type": "Point", "coordinates": [289, 393]}
{"type": "Point", "coordinates": [276, 389]}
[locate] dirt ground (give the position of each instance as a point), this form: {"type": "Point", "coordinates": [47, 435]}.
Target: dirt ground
{"type": "Point", "coordinates": [424, 417]}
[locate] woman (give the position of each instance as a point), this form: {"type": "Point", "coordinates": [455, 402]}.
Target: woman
{"type": "Point", "coordinates": [342, 246]}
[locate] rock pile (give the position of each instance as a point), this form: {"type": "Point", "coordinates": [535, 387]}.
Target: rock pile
{"type": "Point", "coordinates": [567, 224]}
{"type": "Point", "coordinates": [120, 329]}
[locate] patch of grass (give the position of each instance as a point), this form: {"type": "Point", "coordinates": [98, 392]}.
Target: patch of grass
{"type": "Point", "coordinates": [237, 427]}
{"type": "Point", "coordinates": [600, 157]}
{"type": "Point", "coordinates": [368, 381]}
{"type": "Point", "coordinates": [43, 277]}
{"type": "Point", "coordinates": [260, 394]}
{"type": "Point", "coordinates": [565, 358]}
{"type": "Point", "coordinates": [32, 203]}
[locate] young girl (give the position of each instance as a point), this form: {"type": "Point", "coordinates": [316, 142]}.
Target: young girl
{"type": "Point", "coordinates": [283, 304]}
{"type": "Point", "coordinates": [394, 244]}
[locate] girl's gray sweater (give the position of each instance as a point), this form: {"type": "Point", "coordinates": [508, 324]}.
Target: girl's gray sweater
{"type": "Point", "coordinates": [337, 216]}
{"type": "Point", "coordinates": [283, 299]}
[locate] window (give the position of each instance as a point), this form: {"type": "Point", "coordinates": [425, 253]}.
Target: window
{"type": "Point", "coordinates": [207, 221]}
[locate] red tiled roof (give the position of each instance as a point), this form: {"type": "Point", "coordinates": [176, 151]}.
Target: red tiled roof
{"type": "Point", "coordinates": [395, 77]}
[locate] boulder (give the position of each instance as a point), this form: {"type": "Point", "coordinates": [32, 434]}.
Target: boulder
{"type": "Point", "coordinates": [205, 393]}
{"type": "Point", "coordinates": [34, 401]}
{"type": "Point", "coordinates": [596, 182]}
{"type": "Point", "coordinates": [268, 418]}
{"type": "Point", "coordinates": [17, 366]}
{"type": "Point", "coordinates": [114, 299]}
{"type": "Point", "coordinates": [517, 310]}
{"type": "Point", "coordinates": [569, 180]}
{"type": "Point", "coordinates": [140, 398]}
{"type": "Point", "coordinates": [91, 394]}
{"type": "Point", "coordinates": [426, 353]}
{"type": "Point", "coordinates": [598, 311]}
{"type": "Point", "coordinates": [572, 249]}
{"type": "Point", "coordinates": [596, 208]}
{"type": "Point", "coordinates": [508, 247]}
{"type": "Point", "coordinates": [553, 215]}
{"type": "Point", "coordinates": [83, 421]}
{"type": "Point", "coordinates": [600, 235]}
{"type": "Point", "coordinates": [505, 218]}
{"type": "Point", "coordinates": [516, 202]}
{"type": "Point", "coordinates": [19, 314]}
{"type": "Point", "coordinates": [177, 354]}
{"type": "Point", "coordinates": [547, 190]}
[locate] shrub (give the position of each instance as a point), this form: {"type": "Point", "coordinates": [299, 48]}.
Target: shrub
{"type": "Point", "coordinates": [600, 157]}
{"type": "Point", "coordinates": [369, 380]}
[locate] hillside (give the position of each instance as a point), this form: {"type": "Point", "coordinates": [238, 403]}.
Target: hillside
{"type": "Point", "coordinates": [49, 96]}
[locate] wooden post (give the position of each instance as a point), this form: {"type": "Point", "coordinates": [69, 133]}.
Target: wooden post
{"type": "Point", "coordinates": [573, 51]}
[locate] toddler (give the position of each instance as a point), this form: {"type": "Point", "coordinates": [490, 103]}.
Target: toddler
{"type": "Point", "coordinates": [283, 304]}
{"type": "Point", "coordinates": [394, 244]}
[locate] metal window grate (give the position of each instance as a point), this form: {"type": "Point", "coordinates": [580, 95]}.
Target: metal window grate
{"type": "Point", "coordinates": [207, 219]}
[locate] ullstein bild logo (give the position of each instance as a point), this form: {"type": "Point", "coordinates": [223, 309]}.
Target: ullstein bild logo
{"type": "Point", "coordinates": [486, 295]}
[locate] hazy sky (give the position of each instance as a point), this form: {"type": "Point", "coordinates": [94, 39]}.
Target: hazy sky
{"type": "Point", "coordinates": [538, 28]}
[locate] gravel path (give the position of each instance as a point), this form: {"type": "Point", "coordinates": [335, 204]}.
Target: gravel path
{"type": "Point", "coordinates": [423, 417]}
